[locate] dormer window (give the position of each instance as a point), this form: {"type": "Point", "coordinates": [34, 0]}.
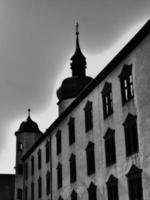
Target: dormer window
{"type": "Point", "coordinates": [126, 81]}
{"type": "Point", "coordinates": [131, 135]}
{"type": "Point", "coordinates": [107, 100]}
{"type": "Point", "coordinates": [88, 116]}
{"type": "Point", "coordinates": [71, 130]}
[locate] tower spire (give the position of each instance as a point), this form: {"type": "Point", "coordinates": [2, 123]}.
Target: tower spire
{"type": "Point", "coordinates": [78, 64]}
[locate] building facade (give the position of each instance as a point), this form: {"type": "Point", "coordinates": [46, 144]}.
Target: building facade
{"type": "Point", "coordinates": [98, 147]}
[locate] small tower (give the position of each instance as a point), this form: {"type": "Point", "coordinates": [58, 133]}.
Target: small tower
{"type": "Point", "coordinates": [26, 136]}
{"type": "Point", "coordinates": [72, 86]}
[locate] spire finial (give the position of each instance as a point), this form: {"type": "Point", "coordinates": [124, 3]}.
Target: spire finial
{"type": "Point", "coordinates": [29, 110]}
{"type": "Point", "coordinates": [77, 28]}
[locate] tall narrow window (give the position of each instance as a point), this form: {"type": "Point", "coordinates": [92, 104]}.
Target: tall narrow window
{"type": "Point", "coordinates": [47, 149]}
{"type": "Point", "coordinates": [131, 135]}
{"type": "Point", "coordinates": [39, 159]}
{"type": "Point", "coordinates": [112, 188]}
{"type": "Point", "coordinates": [26, 171]}
{"type": "Point", "coordinates": [92, 192]}
{"type": "Point", "coordinates": [32, 165]}
{"type": "Point", "coordinates": [90, 158]}
{"type": "Point", "coordinates": [20, 169]}
{"type": "Point", "coordinates": [88, 116]}
{"type": "Point", "coordinates": [110, 150]}
{"type": "Point", "coordinates": [19, 194]}
{"type": "Point", "coordinates": [72, 161]}
{"type": "Point", "coordinates": [126, 81]}
{"type": "Point", "coordinates": [59, 176]}
{"type": "Point", "coordinates": [39, 187]}
{"type": "Point", "coordinates": [58, 142]}
{"type": "Point", "coordinates": [73, 195]}
{"type": "Point", "coordinates": [135, 183]}
{"type": "Point", "coordinates": [48, 182]}
{"type": "Point", "coordinates": [71, 130]}
{"type": "Point", "coordinates": [107, 100]}
{"type": "Point", "coordinates": [32, 191]}
{"type": "Point", "coordinates": [26, 192]}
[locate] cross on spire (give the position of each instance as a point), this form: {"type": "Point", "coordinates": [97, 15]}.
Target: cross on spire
{"type": "Point", "coordinates": [29, 110]}
{"type": "Point", "coordinates": [77, 28]}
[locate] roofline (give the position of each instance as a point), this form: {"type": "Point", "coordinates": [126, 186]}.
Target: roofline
{"type": "Point", "coordinates": [139, 36]}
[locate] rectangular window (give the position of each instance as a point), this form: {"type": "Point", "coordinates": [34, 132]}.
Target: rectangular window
{"type": "Point", "coordinates": [110, 150]}
{"type": "Point", "coordinates": [39, 159]}
{"type": "Point", "coordinates": [135, 183]}
{"type": "Point", "coordinates": [32, 165]}
{"type": "Point", "coordinates": [47, 150]}
{"type": "Point", "coordinates": [59, 176]}
{"type": "Point", "coordinates": [126, 81]}
{"type": "Point", "coordinates": [71, 130]}
{"type": "Point", "coordinates": [58, 142]}
{"type": "Point", "coordinates": [20, 169]}
{"type": "Point", "coordinates": [32, 191]}
{"type": "Point", "coordinates": [88, 116]}
{"type": "Point", "coordinates": [39, 187]}
{"type": "Point", "coordinates": [131, 135]}
{"type": "Point", "coordinates": [107, 100]}
{"type": "Point", "coordinates": [19, 194]}
{"type": "Point", "coordinates": [26, 193]}
{"type": "Point", "coordinates": [90, 158]}
{"type": "Point", "coordinates": [112, 188]}
{"type": "Point", "coordinates": [26, 171]}
{"type": "Point", "coordinates": [48, 182]}
{"type": "Point", "coordinates": [72, 168]}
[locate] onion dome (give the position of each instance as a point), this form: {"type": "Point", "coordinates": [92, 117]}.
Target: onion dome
{"type": "Point", "coordinates": [72, 86]}
{"type": "Point", "coordinates": [29, 125]}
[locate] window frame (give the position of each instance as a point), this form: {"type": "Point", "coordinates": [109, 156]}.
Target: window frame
{"type": "Point", "coordinates": [131, 135]}
{"type": "Point", "coordinates": [126, 83]}
{"type": "Point", "coordinates": [107, 99]}
{"type": "Point", "coordinates": [58, 142]}
{"type": "Point", "coordinates": [88, 115]}
{"type": "Point", "coordinates": [73, 171]}
{"type": "Point", "coordinates": [134, 179]}
{"type": "Point", "coordinates": [110, 147]}
{"type": "Point", "coordinates": [71, 130]}
{"type": "Point", "coordinates": [90, 157]}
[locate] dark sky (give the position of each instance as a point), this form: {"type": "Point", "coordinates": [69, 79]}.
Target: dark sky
{"type": "Point", "coordinates": [36, 42]}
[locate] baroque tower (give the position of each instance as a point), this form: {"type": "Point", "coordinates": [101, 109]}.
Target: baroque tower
{"type": "Point", "coordinates": [72, 86]}
{"type": "Point", "coordinates": [26, 136]}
